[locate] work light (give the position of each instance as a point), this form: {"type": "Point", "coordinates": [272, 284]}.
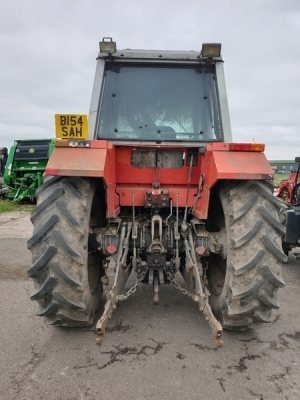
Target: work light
{"type": "Point", "coordinates": [210, 50]}
{"type": "Point", "coordinates": [108, 46]}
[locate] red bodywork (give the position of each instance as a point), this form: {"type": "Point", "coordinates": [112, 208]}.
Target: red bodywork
{"type": "Point", "coordinates": [285, 187]}
{"type": "Point", "coordinates": [127, 184]}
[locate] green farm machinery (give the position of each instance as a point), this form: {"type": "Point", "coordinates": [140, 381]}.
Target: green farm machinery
{"type": "Point", "coordinates": [3, 158]}
{"type": "Point", "coordinates": [25, 165]}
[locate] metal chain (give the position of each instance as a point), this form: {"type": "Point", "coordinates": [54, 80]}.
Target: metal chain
{"type": "Point", "coordinates": [105, 282]}
{"type": "Point", "coordinates": [180, 288]}
{"type": "Point", "coordinates": [132, 290]}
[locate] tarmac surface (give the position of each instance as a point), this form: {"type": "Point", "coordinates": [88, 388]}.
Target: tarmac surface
{"type": "Point", "coordinates": [149, 352]}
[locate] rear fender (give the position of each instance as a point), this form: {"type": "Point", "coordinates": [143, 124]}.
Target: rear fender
{"type": "Point", "coordinates": [220, 163]}
{"type": "Point", "coordinates": [97, 161]}
{"type": "Point", "coordinates": [78, 161]}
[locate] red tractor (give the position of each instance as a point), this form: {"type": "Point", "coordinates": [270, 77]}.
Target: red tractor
{"type": "Point", "coordinates": [289, 191]}
{"type": "Point", "coordinates": [154, 186]}
{"type": "Point", "coordinates": [286, 187]}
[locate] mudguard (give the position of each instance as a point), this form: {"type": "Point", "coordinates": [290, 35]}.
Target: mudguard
{"type": "Point", "coordinates": [220, 163]}
{"type": "Point", "coordinates": [67, 161]}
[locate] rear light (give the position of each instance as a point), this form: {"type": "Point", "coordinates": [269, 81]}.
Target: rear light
{"type": "Point", "coordinates": [111, 249]}
{"type": "Point", "coordinates": [246, 147]}
{"type": "Point", "coordinates": [51, 171]}
{"type": "Point", "coordinates": [72, 143]}
{"type": "Point", "coordinates": [79, 143]}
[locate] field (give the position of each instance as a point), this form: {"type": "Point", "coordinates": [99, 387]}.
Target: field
{"type": "Point", "coordinates": [7, 205]}
{"type": "Point", "coordinates": [280, 177]}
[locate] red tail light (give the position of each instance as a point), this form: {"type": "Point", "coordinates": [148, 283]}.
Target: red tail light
{"type": "Point", "coordinates": [246, 147]}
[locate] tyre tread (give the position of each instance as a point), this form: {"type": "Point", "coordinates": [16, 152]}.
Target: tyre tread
{"type": "Point", "coordinates": [59, 247]}
{"type": "Point", "coordinates": [251, 291]}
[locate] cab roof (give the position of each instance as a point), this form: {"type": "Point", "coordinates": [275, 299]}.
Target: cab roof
{"type": "Point", "coordinates": [167, 55]}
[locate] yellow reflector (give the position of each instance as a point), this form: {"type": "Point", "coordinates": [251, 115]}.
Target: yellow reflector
{"type": "Point", "coordinates": [257, 147]}
{"type": "Point", "coordinates": [61, 143]}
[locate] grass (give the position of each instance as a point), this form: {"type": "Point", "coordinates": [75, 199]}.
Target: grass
{"type": "Point", "coordinates": [280, 177]}
{"type": "Point", "coordinates": [8, 206]}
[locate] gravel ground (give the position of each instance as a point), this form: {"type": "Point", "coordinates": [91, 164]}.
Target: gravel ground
{"type": "Point", "coordinates": [150, 352]}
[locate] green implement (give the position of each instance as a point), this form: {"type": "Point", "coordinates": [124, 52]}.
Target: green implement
{"type": "Point", "coordinates": [26, 163]}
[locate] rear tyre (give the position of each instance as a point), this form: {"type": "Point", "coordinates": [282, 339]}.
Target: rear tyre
{"type": "Point", "coordinates": [244, 286]}
{"type": "Point", "coordinates": [286, 247]}
{"type": "Point", "coordinates": [66, 266]}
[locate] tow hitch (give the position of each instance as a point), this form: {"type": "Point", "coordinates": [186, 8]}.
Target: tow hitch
{"type": "Point", "coordinates": [193, 275]}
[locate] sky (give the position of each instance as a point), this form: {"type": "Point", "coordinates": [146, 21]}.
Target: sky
{"type": "Point", "coordinates": [48, 50]}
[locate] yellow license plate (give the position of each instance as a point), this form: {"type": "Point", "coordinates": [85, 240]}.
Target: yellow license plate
{"type": "Point", "coordinates": [71, 126]}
